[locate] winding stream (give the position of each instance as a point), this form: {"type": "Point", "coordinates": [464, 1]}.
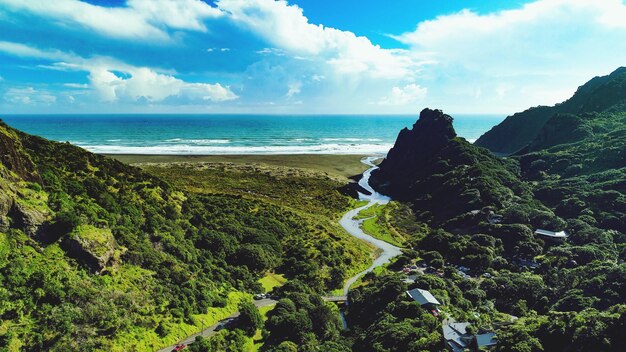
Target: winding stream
{"type": "Point", "coordinates": [354, 226]}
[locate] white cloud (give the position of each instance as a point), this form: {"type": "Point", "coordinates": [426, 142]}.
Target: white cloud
{"type": "Point", "coordinates": [285, 27]}
{"type": "Point", "coordinates": [318, 78]}
{"type": "Point", "coordinates": [28, 95]}
{"type": "Point", "coordinates": [536, 54]}
{"type": "Point", "coordinates": [147, 84]}
{"type": "Point", "coordinates": [76, 85]}
{"type": "Point", "coordinates": [141, 19]}
{"type": "Point", "coordinates": [409, 94]}
{"type": "Point", "coordinates": [294, 89]}
{"type": "Point", "coordinates": [137, 83]}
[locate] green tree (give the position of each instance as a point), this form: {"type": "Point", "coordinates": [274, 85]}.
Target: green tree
{"type": "Point", "coordinates": [249, 319]}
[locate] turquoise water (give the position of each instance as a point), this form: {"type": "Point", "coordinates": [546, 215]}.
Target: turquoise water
{"type": "Point", "coordinates": [233, 134]}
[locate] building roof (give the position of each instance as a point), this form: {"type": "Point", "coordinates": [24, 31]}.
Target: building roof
{"type": "Point", "coordinates": [457, 338]}
{"type": "Point", "coordinates": [487, 339]}
{"type": "Point", "coordinates": [422, 296]}
{"type": "Point", "coordinates": [454, 334]}
{"type": "Point", "coordinates": [559, 234]}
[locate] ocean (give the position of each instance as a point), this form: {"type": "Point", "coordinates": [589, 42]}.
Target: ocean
{"type": "Point", "coordinates": [234, 134]}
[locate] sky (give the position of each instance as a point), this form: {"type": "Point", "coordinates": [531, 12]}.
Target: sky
{"type": "Point", "coordinates": [302, 56]}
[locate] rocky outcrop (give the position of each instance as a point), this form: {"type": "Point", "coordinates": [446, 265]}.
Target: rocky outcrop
{"type": "Point", "coordinates": [91, 246]}
{"type": "Point", "coordinates": [13, 157]}
{"type": "Point", "coordinates": [413, 149]}
{"type": "Point", "coordinates": [29, 220]}
{"type": "Point", "coordinates": [443, 176]}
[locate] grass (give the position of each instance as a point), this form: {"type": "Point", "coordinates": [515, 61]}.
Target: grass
{"type": "Point", "coordinates": [336, 165]}
{"type": "Point", "coordinates": [258, 336]}
{"type": "Point", "coordinates": [271, 280]}
{"type": "Point", "coordinates": [377, 224]}
{"type": "Point", "coordinates": [141, 339]}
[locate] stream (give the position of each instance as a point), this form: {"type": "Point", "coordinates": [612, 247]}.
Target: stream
{"type": "Point", "coordinates": [353, 227]}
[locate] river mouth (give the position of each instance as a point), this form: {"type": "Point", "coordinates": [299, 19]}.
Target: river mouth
{"type": "Point", "coordinates": [353, 227]}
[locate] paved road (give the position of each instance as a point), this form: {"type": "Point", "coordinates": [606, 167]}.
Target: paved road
{"type": "Point", "coordinates": [210, 331]}
{"type": "Point", "coordinates": [354, 226]}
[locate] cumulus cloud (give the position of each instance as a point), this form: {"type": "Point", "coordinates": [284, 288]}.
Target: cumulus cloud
{"type": "Point", "coordinates": [113, 80]}
{"type": "Point", "coordinates": [140, 19]}
{"type": "Point", "coordinates": [409, 94]}
{"type": "Point", "coordinates": [286, 27]}
{"type": "Point", "coordinates": [146, 84]}
{"type": "Point", "coordinates": [536, 54]}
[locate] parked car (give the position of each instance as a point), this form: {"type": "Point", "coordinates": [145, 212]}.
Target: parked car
{"type": "Point", "coordinates": [259, 296]}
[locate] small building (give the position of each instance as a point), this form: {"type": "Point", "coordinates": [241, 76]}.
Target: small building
{"type": "Point", "coordinates": [457, 339]}
{"type": "Point", "coordinates": [494, 218]}
{"type": "Point", "coordinates": [424, 298]}
{"type": "Point", "coordinates": [487, 339]}
{"type": "Point", "coordinates": [552, 235]}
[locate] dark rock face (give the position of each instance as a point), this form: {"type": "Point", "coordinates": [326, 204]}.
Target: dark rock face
{"type": "Point", "coordinates": [13, 157]}
{"type": "Point", "coordinates": [31, 221]}
{"type": "Point", "coordinates": [93, 247]}
{"type": "Point", "coordinates": [414, 147]}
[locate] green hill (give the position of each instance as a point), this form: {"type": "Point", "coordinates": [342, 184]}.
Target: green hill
{"type": "Point", "coordinates": [479, 211]}
{"type": "Point", "coordinates": [517, 131]}
{"type": "Point", "coordinates": [99, 255]}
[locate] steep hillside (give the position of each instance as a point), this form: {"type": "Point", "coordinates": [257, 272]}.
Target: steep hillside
{"type": "Point", "coordinates": [517, 131]}
{"type": "Point", "coordinates": [444, 176]}
{"type": "Point", "coordinates": [98, 255]}
{"type": "Point", "coordinates": [570, 176]}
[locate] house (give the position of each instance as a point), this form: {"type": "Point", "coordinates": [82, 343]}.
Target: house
{"type": "Point", "coordinates": [494, 218]}
{"type": "Point", "coordinates": [552, 235]}
{"type": "Point", "coordinates": [487, 339]}
{"type": "Point", "coordinates": [457, 339]}
{"type": "Point", "coordinates": [424, 298]}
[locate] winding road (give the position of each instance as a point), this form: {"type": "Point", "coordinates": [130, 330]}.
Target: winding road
{"type": "Point", "coordinates": [354, 226]}
{"type": "Point", "coordinates": [212, 330]}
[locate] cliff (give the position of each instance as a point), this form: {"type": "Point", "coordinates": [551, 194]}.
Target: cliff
{"type": "Point", "coordinates": [442, 175]}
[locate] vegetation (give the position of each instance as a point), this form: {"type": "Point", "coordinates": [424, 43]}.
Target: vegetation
{"type": "Point", "coordinates": [478, 211]}
{"type": "Point", "coordinates": [98, 255]}
{"type": "Point", "coordinates": [517, 131]}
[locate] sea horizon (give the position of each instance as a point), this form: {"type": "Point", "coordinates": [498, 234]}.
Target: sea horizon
{"type": "Point", "coordinates": [231, 134]}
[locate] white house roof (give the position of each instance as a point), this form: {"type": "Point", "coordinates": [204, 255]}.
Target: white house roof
{"type": "Point", "coordinates": [559, 234]}
{"type": "Point", "coordinates": [422, 296]}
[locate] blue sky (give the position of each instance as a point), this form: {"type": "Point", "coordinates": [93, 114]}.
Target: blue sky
{"type": "Point", "coordinates": [302, 56]}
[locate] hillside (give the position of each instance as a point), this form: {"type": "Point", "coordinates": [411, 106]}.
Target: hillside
{"type": "Point", "coordinates": [99, 255]}
{"type": "Point", "coordinates": [445, 177]}
{"type": "Point", "coordinates": [479, 211]}
{"type": "Point", "coordinates": [517, 131]}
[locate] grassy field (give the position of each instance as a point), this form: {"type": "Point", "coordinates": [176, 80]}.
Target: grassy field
{"type": "Point", "coordinates": [378, 224]}
{"type": "Point", "coordinates": [336, 165]}
{"type": "Point", "coordinates": [271, 280]}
